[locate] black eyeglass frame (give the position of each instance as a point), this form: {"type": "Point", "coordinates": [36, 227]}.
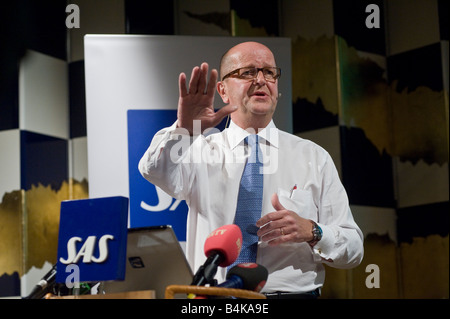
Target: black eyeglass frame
{"type": "Point", "coordinates": [276, 77]}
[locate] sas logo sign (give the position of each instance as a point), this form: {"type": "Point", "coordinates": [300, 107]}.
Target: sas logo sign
{"type": "Point", "coordinates": [93, 237]}
{"type": "Point", "coordinates": [149, 205]}
{"type": "Point", "coordinates": [86, 253]}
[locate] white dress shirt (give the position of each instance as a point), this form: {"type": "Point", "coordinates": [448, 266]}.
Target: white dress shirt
{"type": "Point", "coordinates": [206, 171]}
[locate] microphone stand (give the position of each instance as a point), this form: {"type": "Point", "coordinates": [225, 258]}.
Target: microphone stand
{"type": "Point", "coordinates": [205, 274]}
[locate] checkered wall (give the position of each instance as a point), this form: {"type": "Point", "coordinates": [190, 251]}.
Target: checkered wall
{"type": "Point", "coordinates": [376, 99]}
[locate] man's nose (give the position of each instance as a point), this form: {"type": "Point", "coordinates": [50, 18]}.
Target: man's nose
{"type": "Point", "coordinates": [260, 79]}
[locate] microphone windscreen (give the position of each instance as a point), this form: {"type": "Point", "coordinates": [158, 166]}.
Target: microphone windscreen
{"type": "Point", "coordinates": [226, 240]}
{"type": "Point", "coordinates": [253, 276]}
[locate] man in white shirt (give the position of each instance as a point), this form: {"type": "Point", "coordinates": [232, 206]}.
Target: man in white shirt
{"type": "Point", "coordinates": [305, 219]}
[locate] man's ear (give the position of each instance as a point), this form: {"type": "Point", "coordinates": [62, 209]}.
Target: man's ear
{"type": "Point", "coordinates": [222, 92]}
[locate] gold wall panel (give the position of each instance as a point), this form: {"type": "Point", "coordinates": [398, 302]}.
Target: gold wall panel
{"type": "Point", "coordinates": [29, 225]}
{"type": "Point", "coordinates": [11, 233]}
{"type": "Point", "coordinates": [43, 208]}
{"type": "Point", "coordinates": [420, 125]}
{"type": "Point", "coordinates": [314, 72]}
{"type": "Point", "coordinates": [379, 250]}
{"type": "Point", "coordinates": [412, 125]}
{"type": "Point", "coordinates": [242, 27]}
{"type": "Point", "coordinates": [425, 267]}
{"type": "Point", "coordinates": [363, 94]}
{"type": "Point", "coordinates": [416, 270]}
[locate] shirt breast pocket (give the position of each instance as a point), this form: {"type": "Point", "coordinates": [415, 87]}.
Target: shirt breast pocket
{"type": "Point", "coordinates": [300, 201]}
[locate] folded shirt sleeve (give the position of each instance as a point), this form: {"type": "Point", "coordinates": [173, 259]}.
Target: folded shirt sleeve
{"type": "Point", "coordinates": [341, 245]}
{"type": "Point", "coordinates": [160, 164]}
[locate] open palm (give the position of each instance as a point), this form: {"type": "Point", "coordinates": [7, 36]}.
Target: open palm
{"type": "Point", "coordinates": [197, 101]}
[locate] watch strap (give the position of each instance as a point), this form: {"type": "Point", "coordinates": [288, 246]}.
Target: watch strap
{"type": "Point", "coordinates": [317, 234]}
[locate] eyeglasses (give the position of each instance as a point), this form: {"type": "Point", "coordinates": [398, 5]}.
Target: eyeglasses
{"type": "Point", "coordinates": [250, 73]}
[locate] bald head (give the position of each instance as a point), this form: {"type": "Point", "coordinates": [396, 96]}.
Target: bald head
{"type": "Point", "coordinates": [237, 55]}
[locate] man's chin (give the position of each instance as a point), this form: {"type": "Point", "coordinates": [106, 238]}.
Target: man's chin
{"type": "Point", "coordinates": [262, 109]}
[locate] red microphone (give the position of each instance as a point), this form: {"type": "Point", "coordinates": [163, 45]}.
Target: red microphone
{"type": "Point", "coordinates": [222, 247]}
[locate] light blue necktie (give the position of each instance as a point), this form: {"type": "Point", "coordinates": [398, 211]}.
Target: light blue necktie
{"type": "Point", "coordinates": [249, 204]}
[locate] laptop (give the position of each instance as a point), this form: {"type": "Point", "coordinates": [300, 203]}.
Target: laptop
{"type": "Point", "coordinates": [155, 260]}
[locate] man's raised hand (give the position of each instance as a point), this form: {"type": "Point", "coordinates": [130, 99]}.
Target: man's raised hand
{"type": "Point", "coordinates": [196, 102]}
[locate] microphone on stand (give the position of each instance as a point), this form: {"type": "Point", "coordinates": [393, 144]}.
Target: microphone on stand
{"type": "Point", "coordinates": [248, 276]}
{"type": "Point", "coordinates": [222, 247]}
{"type": "Point", "coordinates": [44, 285]}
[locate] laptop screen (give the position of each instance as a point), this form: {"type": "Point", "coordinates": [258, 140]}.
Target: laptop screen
{"type": "Point", "coordinates": [155, 260]}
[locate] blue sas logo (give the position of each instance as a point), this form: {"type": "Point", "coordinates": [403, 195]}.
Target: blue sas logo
{"type": "Point", "coordinates": [149, 205]}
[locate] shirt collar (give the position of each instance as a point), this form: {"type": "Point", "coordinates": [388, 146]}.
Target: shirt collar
{"type": "Point", "coordinates": [236, 134]}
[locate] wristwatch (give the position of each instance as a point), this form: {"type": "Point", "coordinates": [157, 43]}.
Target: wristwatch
{"type": "Point", "coordinates": [317, 234]}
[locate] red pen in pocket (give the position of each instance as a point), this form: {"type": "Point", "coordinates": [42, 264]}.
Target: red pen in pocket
{"type": "Point", "coordinates": [292, 190]}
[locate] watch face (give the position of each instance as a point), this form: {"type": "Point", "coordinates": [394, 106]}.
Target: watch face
{"type": "Point", "coordinates": [319, 235]}
{"type": "Point", "coordinates": [317, 232]}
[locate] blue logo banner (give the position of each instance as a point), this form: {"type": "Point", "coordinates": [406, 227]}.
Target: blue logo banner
{"type": "Point", "coordinates": [149, 205]}
{"type": "Point", "coordinates": [92, 240]}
